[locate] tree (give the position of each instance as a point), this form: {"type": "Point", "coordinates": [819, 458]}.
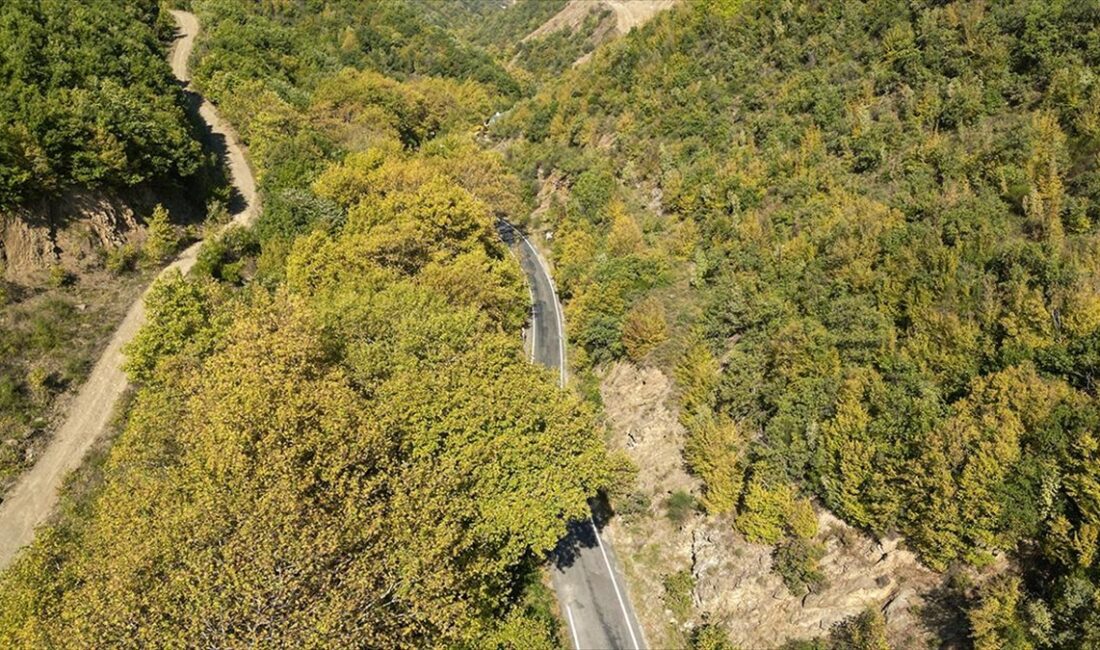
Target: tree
{"type": "Point", "coordinates": [770, 509]}
{"type": "Point", "coordinates": [715, 452]}
{"type": "Point", "coordinates": [995, 622]}
{"type": "Point", "coordinates": [161, 240]}
{"type": "Point", "coordinates": [846, 455]}
{"type": "Point", "coordinates": [867, 631]}
{"type": "Point", "coordinates": [185, 320]}
{"type": "Point", "coordinates": [710, 636]}
{"type": "Point", "coordinates": [644, 327]}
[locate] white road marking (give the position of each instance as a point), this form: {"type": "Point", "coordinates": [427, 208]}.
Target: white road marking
{"type": "Point", "coordinates": [557, 306]}
{"type": "Point", "coordinates": [561, 357]}
{"type": "Point", "coordinates": [615, 584]}
{"type": "Point", "coordinates": [572, 628]}
{"type": "Point", "coordinates": [534, 323]}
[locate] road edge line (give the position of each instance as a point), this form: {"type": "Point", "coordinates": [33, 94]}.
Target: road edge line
{"type": "Point", "coordinates": [615, 584]}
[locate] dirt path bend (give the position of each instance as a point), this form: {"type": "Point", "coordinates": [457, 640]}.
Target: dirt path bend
{"type": "Point", "coordinates": [33, 497]}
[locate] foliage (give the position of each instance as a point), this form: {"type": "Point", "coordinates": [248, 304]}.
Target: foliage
{"type": "Point", "coordinates": [795, 560]}
{"type": "Point", "coordinates": [895, 258]}
{"type": "Point", "coordinates": [350, 432]}
{"type": "Point", "coordinates": [715, 451]}
{"type": "Point", "coordinates": [354, 451]}
{"type": "Point", "coordinates": [678, 594]}
{"type": "Point", "coordinates": [710, 636]}
{"type": "Point", "coordinates": [679, 506]}
{"type": "Point", "coordinates": [770, 509]}
{"type": "Point", "coordinates": [644, 327]}
{"type": "Point", "coordinates": [867, 631]}
{"type": "Point", "coordinates": [121, 259]}
{"type": "Point", "coordinates": [995, 622]}
{"type": "Point", "coordinates": [88, 100]}
{"type": "Point", "coordinates": [555, 52]}
{"type": "Point", "coordinates": [161, 239]}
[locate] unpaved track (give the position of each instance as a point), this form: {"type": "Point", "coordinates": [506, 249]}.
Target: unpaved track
{"type": "Point", "coordinates": [33, 498]}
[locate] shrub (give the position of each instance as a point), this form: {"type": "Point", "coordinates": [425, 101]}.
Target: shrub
{"type": "Point", "coordinates": [644, 328]}
{"type": "Point", "coordinates": [796, 561]}
{"type": "Point", "coordinates": [679, 506]}
{"type": "Point", "coordinates": [866, 631]}
{"type": "Point", "coordinates": [635, 503]}
{"type": "Point", "coordinates": [678, 594]}
{"type": "Point", "coordinates": [122, 259]}
{"type": "Point", "coordinates": [59, 277]}
{"type": "Point", "coordinates": [161, 239]}
{"type": "Point", "coordinates": [710, 636]}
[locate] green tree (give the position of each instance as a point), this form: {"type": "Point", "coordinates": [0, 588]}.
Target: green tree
{"type": "Point", "coordinates": [644, 327]}
{"type": "Point", "coordinates": [161, 239]}
{"type": "Point", "coordinates": [996, 622]}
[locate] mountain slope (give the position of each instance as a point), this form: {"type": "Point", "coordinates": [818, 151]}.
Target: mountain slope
{"type": "Point", "coordinates": [863, 235]}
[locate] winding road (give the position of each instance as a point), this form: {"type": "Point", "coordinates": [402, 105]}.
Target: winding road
{"type": "Point", "coordinates": [586, 576]}
{"type": "Point", "coordinates": [587, 580]}
{"type": "Point", "coordinates": [33, 498]}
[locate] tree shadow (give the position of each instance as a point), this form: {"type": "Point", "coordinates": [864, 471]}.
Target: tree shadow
{"type": "Point", "coordinates": [216, 144]}
{"type": "Point", "coordinates": [581, 534]}
{"type": "Point", "coordinates": [944, 614]}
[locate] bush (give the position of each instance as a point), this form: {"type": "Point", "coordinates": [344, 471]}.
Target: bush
{"type": "Point", "coordinates": [795, 560]}
{"type": "Point", "coordinates": [678, 594]}
{"type": "Point", "coordinates": [635, 503]}
{"type": "Point", "coordinates": [710, 636]}
{"type": "Point", "coordinates": [161, 239]}
{"type": "Point", "coordinates": [59, 277]}
{"type": "Point", "coordinates": [679, 506]}
{"type": "Point", "coordinates": [122, 259]}
{"type": "Point", "coordinates": [644, 328]}
{"type": "Point", "coordinates": [864, 632]}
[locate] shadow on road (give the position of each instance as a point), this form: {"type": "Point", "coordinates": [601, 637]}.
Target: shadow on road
{"type": "Point", "coordinates": [214, 143]}
{"type": "Point", "coordinates": [509, 234]}
{"type": "Point", "coordinates": [580, 535]}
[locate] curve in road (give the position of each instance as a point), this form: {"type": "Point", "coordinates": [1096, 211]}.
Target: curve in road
{"type": "Point", "coordinates": [35, 495]}
{"type": "Point", "coordinates": [589, 585]}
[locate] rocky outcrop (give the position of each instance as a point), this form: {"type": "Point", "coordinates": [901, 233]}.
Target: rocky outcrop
{"type": "Point", "coordinates": [734, 582]}
{"type": "Point", "coordinates": [628, 15]}
{"type": "Point", "coordinates": [69, 231]}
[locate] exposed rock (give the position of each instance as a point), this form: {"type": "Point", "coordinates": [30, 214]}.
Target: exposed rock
{"type": "Point", "coordinates": [735, 583]}
{"type": "Point", "coordinates": [651, 546]}
{"type": "Point", "coordinates": [628, 15]}
{"type": "Point", "coordinates": [68, 231]}
{"type": "Point", "coordinates": [734, 580]}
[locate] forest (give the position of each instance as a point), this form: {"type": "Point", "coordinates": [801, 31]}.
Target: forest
{"type": "Point", "coordinates": [87, 100]}
{"type": "Point", "coordinates": [862, 236]}
{"type": "Point", "coordinates": [886, 216]}
{"type": "Point", "coordinates": [335, 438]}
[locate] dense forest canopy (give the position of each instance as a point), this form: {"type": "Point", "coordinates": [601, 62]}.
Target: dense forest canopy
{"type": "Point", "coordinates": [87, 99]}
{"type": "Point", "coordinates": [336, 439]}
{"type": "Point", "coordinates": [890, 211]}
{"type": "Point", "coordinates": [862, 234]}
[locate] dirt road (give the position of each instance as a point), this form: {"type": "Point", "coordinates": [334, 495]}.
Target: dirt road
{"type": "Point", "coordinates": [33, 498]}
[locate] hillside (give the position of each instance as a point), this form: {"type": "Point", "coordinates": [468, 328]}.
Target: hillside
{"type": "Point", "coordinates": [831, 286]}
{"type": "Point", "coordinates": [335, 437]}
{"type": "Point", "coordinates": [95, 137]}
{"type": "Point", "coordinates": [863, 237]}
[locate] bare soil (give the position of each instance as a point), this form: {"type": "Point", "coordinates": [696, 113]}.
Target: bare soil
{"type": "Point", "coordinates": [628, 15]}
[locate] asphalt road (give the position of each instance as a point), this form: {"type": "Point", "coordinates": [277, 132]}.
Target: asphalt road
{"type": "Point", "coordinates": [586, 576]}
